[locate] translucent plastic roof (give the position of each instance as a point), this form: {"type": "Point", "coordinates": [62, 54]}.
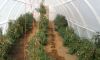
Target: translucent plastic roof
{"type": "Point", "coordinates": [10, 9]}
{"type": "Point", "coordinates": [82, 15]}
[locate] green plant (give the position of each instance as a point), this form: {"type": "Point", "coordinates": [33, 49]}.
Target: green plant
{"type": "Point", "coordinates": [84, 49]}
{"type": "Point", "coordinates": [1, 32]}
{"type": "Point", "coordinates": [37, 49]}
{"type": "Point", "coordinates": [32, 50]}
{"type": "Point", "coordinates": [4, 43]}
{"type": "Point", "coordinates": [43, 36]}
{"type": "Point", "coordinates": [40, 39]}
{"type": "Point", "coordinates": [43, 29]}
{"type": "Point", "coordinates": [17, 29]}
{"type": "Point", "coordinates": [60, 21]}
{"type": "Point", "coordinates": [97, 54]}
{"type": "Point", "coordinates": [42, 9]}
{"type": "Point", "coordinates": [43, 23]}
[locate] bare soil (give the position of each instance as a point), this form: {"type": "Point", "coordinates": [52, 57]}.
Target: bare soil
{"type": "Point", "coordinates": [55, 48]}
{"type": "Point", "coordinates": [19, 50]}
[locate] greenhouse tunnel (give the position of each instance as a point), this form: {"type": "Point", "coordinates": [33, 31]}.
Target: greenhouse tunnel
{"type": "Point", "coordinates": [83, 16]}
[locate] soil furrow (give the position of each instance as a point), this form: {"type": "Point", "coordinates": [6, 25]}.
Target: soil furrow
{"type": "Point", "coordinates": [55, 48]}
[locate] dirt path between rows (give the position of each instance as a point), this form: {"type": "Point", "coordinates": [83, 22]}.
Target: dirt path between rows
{"type": "Point", "coordinates": [19, 50]}
{"type": "Point", "coordinates": [55, 48]}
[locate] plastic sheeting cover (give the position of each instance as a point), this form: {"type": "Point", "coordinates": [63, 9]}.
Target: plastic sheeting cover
{"type": "Point", "coordinates": [82, 15]}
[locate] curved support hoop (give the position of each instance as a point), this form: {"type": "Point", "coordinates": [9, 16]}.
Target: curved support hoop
{"type": "Point", "coordinates": [11, 10]}
{"type": "Point", "coordinates": [3, 4]}
{"type": "Point", "coordinates": [93, 10]}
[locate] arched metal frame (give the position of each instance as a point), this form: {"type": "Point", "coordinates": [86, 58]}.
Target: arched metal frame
{"type": "Point", "coordinates": [62, 8]}
{"type": "Point", "coordinates": [88, 30]}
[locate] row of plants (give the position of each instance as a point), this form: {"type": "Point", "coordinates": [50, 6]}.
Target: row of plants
{"type": "Point", "coordinates": [36, 45]}
{"type": "Point", "coordinates": [43, 27]}
{"type": "Point", "coordinates": [3, 45]}
{"type": "Point", "coordinates": [20, 26]}
{"type": "Point", "coordinates": [36, 49]}
{"type": "Point", "coordinates": [16, 30]}
{"type": "Point", "coordinates": [43, 24]}
{"type": "Point", "coordinates": [84, 49]}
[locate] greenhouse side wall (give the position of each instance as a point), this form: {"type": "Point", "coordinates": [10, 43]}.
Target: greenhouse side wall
{"type": "Point", "coordinates": [81, 15]}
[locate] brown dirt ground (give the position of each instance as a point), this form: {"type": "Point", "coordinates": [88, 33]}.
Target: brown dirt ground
{"type": "Point", "coordinates": [55, 48]}
{"type": "Point", "coordinates": [19, 50]}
